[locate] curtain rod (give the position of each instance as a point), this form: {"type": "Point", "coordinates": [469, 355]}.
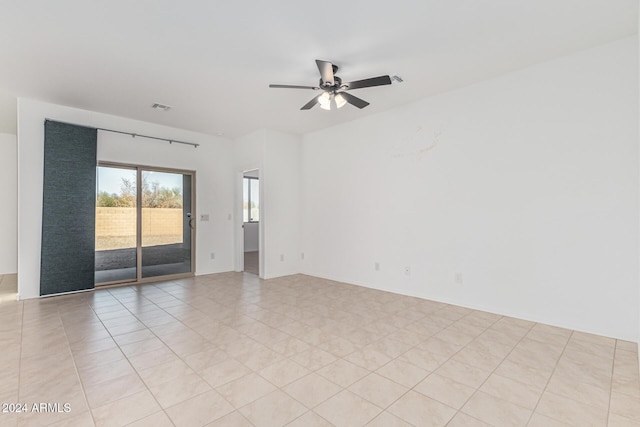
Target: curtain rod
{"type": "Point", "coordinates": [133, 135]}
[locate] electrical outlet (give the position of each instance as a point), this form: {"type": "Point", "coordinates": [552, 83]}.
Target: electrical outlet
{"type": "Point", "coordinates": [213, 255]}
{"type": "Point", "coordinates": [376, 266]}
{"type": "Point", "coordinates": [459, 278]}
{"type": "Point", "coordinates": [407, 271]}
{"type": "Point", "coordinates": [204, 217]}
{"type": "Point", "coordinates": [281, 257]}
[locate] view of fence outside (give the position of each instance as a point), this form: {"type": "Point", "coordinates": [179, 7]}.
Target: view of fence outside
{"type": "Point", "coordinates": [116, 227]}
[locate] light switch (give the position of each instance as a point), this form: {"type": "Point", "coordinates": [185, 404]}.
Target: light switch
{"type": "Point", "coordinates": [204, 217]}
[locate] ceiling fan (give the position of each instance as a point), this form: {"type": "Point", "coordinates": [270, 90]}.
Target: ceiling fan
{"type": "Point", "coordinates": [334, 92]}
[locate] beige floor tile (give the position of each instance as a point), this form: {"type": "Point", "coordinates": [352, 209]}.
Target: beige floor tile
{"type": "Point", "coordinates": [627, 345]}
{"type": "Point", "coordinates": [421, 410]}
{"type": "Point", "coordinates": [538, 359]}
{"type": "Point", "coordinates": [438, 346]}
{"type": "Point", "coordinates": [289, 346]}
{"type": "Point", "coordinates": [378, 390]}
{"type": "Point", "coordinates": [454, 337]}
{"type": "Point", "coordinates": [162, 373]}
{"type": "Point", "coordinates": [159, 419]}
{"type": "Point", "coordinates": [259, 359]}
{"type": "Point", "coordinates": [234, 419]}
{"type": "Point", "coordinates": [178, 389]}
{"type": "Point", "coordinates": [589, 359]}
{"type": "Point", "coordinates": [348, 409]}
{"type": "Point", "coordinates": [314, 358]}
{"type": "Point", "coordinates": [485, 361]}
{"type": "Point", "coordinates": [489, 346]}
{"type": "Point", "coordinates": [98, 358]}
{"type": "Point", "coordinates": [274, 409]}
{"type": "Point", "coordinates": [389, 346]}
{"type": "Point", "coordinates": [63, 390]}
{"type": "Point", "coordinates": [224, 372]}
{"type": "Point", "coordinates": [339, 347]}
{"type": "Point", "coordinates": [424, 359]}
{"type": "Point", "coordinates": [131, 337]}
{"type": "Point", "coordinates": [199, 410]}
{"type": "Point", "coordinates": [36, 419]}
{"type": "Point", "coordinates": [153, 358]}
{"type": "Point", "coordinates": [81, 419]}
{"type": "Point", "coordinates": [205, 359]}
{"type": "Point", "coordinates": [596, 339]}
{"type": "Point", "coordinates": [547, 337]}
{"type": "Point", "coordinates": [539, 420]}
{"type": "Point", "coordinates": [581, 392]}
{"type": "Point", "coordinates": [385, 419]}
{"type": "Point", "coordinates": [463, 420]}
{"type": "Point", "coordinates": [139, 347]}
{"type": "Point", "coordinates": [463, 373]}
{"type": "Point", "coordinates": [616, 420]}
{"type": "Point", "coordinates": [571, 412]}
{"type": "Point", "coordinates": [88, 347]}
{"type": "Point", "coordinates": [98, 374]}
{"type": "Point", "coordinates": [604, 351]}
{"type": "Point", "coordinates": [126, 410]}
{"type": "Point", "coordinates": [524, 374]}
{"type": "Point", "coordinates": [296, 325]}
{"type": "Point", "coordinates": [625, 406]}
{"type": "Point", "coordinates": [495, 411]}
{"type": "Point", "coordinates": [445, 390]}
{"type": "Point", "coordinates": [311, 390]}
{"type": "Point", "coordinates": [513, 391]}
{"type": "Point", "coordinates": [369, 359]}
{"type": "Point", "coordinates": [582, 373]}
{"type": "Point", "coordinates": [630, 387]}
{"type": "Point", "coordinates": [112, 390]}
{"type": "Point", "coordinates": [245, 390]}
{"type": "Point", "coordinates": [310, 419]}
{"type": "Point", "coordinates": [403, 373]}
{"type": "Point", "coordinates": [342, 372]}
{"type": "Point", "coordinates": [283, 372]}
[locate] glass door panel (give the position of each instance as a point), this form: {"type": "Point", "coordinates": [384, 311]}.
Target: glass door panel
{"type": "Point", "coordinates": [166, 223]}
{"type": "Point", "coordinates": [116, 225]}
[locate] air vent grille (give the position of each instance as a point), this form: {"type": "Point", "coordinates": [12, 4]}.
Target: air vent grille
{"type": "Point", "coordinates": [160, 107]}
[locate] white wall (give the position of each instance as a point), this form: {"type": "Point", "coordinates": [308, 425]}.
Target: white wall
{"type": "Point", "coordinates": [280, 203]}
{"type": "Point", "coordinates": [526, 185]}
{"type": "Point", "coordinates": [276, 155]}
{"type": "Point", "coordinates": [211, 161]}
{"type": "Point", "coordinates": [9, 204]}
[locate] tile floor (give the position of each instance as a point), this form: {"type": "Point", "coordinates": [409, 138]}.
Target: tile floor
{"type": "Point", "coordinates": [230, 350]}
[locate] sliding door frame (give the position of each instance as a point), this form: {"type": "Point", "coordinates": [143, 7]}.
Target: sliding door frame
{"type": "Point", "coordinates": [139, 169]}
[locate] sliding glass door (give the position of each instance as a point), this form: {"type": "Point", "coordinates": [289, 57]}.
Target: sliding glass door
{"type": "Point", "coordinates": [166, 223]}
{"type": "Point", "coordinates": [116, 224]}
{"type": "Point", "coordinates": [144, 224]}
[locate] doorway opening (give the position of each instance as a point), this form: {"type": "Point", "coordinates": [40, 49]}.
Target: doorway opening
{"type": "Point", "coordinates": [144, 224]}
{"type": "Point", "coordinates": [251, 221]}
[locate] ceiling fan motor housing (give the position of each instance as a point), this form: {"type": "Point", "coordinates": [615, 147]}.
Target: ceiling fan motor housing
{"type": "Point", "coordinates": [337, 83]}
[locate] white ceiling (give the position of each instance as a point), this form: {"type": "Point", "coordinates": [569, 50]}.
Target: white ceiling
{"type": "Point", "coordinates": [212, 61]}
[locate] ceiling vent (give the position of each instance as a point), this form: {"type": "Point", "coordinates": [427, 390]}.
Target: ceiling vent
{"type": "Point", "coordinates": [161, 107]}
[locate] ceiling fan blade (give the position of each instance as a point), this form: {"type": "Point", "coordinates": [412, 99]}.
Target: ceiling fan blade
{"type": "Point", "coordinates": [354, 100]}
{"type": "Point", "coordinates": [294, 87]}
{"type": "Point", "coordinates": [326, 71]}
{"type": "Point", "coordinates": [309, 105]}
{"type": "Point", "coordinates": [374, 81]}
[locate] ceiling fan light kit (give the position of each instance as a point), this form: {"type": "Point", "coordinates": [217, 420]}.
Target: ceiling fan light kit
{"type": "Point", "coordinates": [334, 91]}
